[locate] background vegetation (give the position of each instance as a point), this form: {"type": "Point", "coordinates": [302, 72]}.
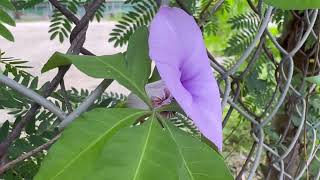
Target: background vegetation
{"type": "Point", "coordinates": [255, 87]}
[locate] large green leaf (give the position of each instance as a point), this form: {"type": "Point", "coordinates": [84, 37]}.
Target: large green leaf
{"type": "Point", "coordinates": [106, 67]}
{"type": "Point", "coordinates": [137, 56]}
{"type": "Point", "coordinates": [199, 161]}
{"type": "Point", "coordinates": [143, 152]}
{"type": "Point", "coordinates": [294, 4]}
{"type": "Point", "coordinates": [4, 17]}
{"type": "Point", "coordinates": [77, 151]}
{"type": "Point", "coordinates": [95, 66]}
{"type": "Point", "coordinates": [131, 70]}
{"type": "Point", "coordinates": [4, 32]}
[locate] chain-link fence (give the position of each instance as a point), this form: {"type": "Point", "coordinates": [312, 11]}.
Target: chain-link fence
{"type": "Point", "coordinates": [287, 158]}
{"type": "Point", "coordinates": [299, 148]}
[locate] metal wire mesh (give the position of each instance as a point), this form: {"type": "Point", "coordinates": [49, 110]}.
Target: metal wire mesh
{"type": "Point", "coordinates": [285, 69]}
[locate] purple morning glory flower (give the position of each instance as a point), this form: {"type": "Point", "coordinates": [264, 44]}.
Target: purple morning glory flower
{"type": "Point", "coordinates": [177, 47]}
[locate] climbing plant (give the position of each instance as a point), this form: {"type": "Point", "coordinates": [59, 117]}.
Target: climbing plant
{"type": "Point", "coordinates": [248, 70]}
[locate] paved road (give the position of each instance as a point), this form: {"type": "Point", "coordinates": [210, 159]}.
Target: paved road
{"type": "Point", "coordinates": [32, 44]}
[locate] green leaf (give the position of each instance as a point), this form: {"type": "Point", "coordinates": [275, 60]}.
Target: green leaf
{"type": "Point", "coordinates": [199, 161]}
{"type": "Point", "coordinates": [294, 4]}
{"type": "Point", "coordinates": [7, 4]}
{"type": "Point", "coordinates": [144, 152]}
{"type": "Point", "coordinates": [137, 56]}
{"type": "Point", "coordinates": [4, 32]}
{"type": "Point", "coordinates": [105, 67]}
{"type": "Point", "coordinates": [155, 76]}
{"type": "Point", "coordinates": [4, 17]}
{"type": "Point", "coordinates": [314, 79]}
{"type": "Point", "coordinates": [79, 148]}
{"type": "Point", "coordinates": [132, 70]}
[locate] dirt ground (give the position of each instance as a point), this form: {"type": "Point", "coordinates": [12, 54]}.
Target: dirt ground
{"type": "Point", "coordinates": [32, 44]}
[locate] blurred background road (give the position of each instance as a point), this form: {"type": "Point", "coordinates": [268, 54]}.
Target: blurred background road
{"type": "Point", "coordinates": [38, 50]}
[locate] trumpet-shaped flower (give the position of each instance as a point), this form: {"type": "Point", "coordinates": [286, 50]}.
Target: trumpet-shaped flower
{"type": "Point", "coordinates": [177, 47]}
{"type": "Point", "coordinates": [158, 93]}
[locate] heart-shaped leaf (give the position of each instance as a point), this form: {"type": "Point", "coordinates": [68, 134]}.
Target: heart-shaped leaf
{"type": "Point", "coordinates": [294, 4]}
{"type": "Point", "coordinates": [76, 152]}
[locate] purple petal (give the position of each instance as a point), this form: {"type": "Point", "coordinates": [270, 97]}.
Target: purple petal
{"type": "Point", "coordinates": [154, 90]}
{"type": "Point", "coordinates": [176, 45]}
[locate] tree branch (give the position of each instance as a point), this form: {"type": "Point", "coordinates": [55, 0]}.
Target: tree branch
{"type": "Point", "coordinates": [28, 155]}
{"type": "Point", "coordinates": [86, 104]}
{"type": "Point", "coordinates": [76, 46]}
{"type": "Point", "coordinates": [65, 96]}
{"type": "Point", "coordinates": [32, 95]}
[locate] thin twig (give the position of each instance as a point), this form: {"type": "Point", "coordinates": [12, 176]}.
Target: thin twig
{"type": "Point", "coordinates": [31, 113]}
{"type": "Point", "coordinates": [32, 95]}
{"type": "Point", "coordinates": [65, 96]}
{"type": "Point", "coordinates": [28, 155]}
{"type": "Point", "coordinates": [86, 104]}
{"type": "Point", "coordinates": [246, 163]}
{"type": "Point", "coordinates": [214, 9]}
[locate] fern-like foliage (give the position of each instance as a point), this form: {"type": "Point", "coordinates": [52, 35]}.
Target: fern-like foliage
{"type": "Point", "coordinates": [15, 66]}
{"type": "Point", "coordinates": [203, 14]}
{"type": "Point", "coordinates": [211, 27]}
{"type": "Point", "coordinates": [228, 62]}
{"type": "Point", "coordinates": [279, 17]}
{"type": "Point", "coordinates": [141, 14]}
{"type": "Point", "coordinates": [246, 26]}
{"type": "Point", "coordinates": [60, 26]}
{"type": "Point", "coordinates": [16, 69]}
{"type": "Point", "coordinates": [5, 18]}
{"type": "Point", "coordinates": [25, 4]}
{"type": "Point", "coordinates": [260, 77]}
{"type": "Point", "coordinates": [99, 13]}
{"type": "Point", "coordinates": [204, 7]}
{"type": "Point", "coordinates": [185, 124]}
